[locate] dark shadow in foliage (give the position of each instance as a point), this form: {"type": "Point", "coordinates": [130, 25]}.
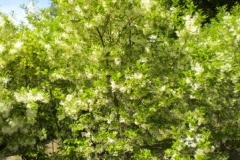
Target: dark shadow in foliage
{"type": "Point", "coordinates": [209, 8]}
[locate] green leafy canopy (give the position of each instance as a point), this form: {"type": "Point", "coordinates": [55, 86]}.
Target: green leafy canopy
{"type": "Point", "coordinates": [127, 79]}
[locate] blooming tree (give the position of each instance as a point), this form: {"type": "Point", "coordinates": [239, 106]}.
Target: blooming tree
{"type": "Point", "coordinates": [127, 79]}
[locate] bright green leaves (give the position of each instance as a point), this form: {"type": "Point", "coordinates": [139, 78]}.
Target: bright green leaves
{"type": "Point", "coordinates": [192, 138]}
{"type": "Point", "coordinates": [111, 80]}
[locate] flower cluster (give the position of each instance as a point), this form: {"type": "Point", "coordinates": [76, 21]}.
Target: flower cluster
{"type": "Point", "coordinates": [27, 96]}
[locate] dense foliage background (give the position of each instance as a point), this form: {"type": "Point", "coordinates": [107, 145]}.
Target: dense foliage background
{"type": "Point", "coordinates": [124, 79]}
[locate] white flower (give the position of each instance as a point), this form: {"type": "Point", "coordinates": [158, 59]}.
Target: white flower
{"type": "Point", "coordinates": [88, 25]}
{"type": "Point", "coordinates": [30, 96]}
{"type": "Point", "coordinates": [117, 61]}
{"type": "Point", "coordinates": [12, 123]}
{"type": "Point", "coordinates": [153, 38]}
{"type": "Point", "coordinates": [47, 46]}
{"type": "Point", "coordinates": [198, 69]}
{"type": "Point", "coordinates": [122, 120]}
{"type": "Point", "coordinates": [192, 97]}
{"type": "Point", "coordinates": [13, 51]}
{"type": "Point", "coordinates": [227, 17]}
{"type": "Point", "coordinates": [89, 75]}
{"type": "Point", "coordinates": [195, 86]}
{"type": "Point", "coordinates": [110, 140]}
{"type": "Point", "coordinates": [68, 29]}
{"type": "Point", "coordinates": [2, 21]}
{"type": "Point", "coordinates": [226, 67]}
{"type": "Point", "coordinates": [147, 49]}
{"type": "Point", "coordinates": [188, 81]}
{"type": "Point", "coordinates": [65, 35]}
{"type": "Point", "coordinates": [56, 76]}
{"type": "Point", "coordinates": [137, 75]}
{"type": "Point", "coordinates": [193, 29]}
{"type": "Point", "coordinates": [69, 97]}
{"type": "Point", "coordinates": [70, 1]}
{"type": "Point", "coordinates": [78, 9]}
{"type": "Point", "coordinates": [199, 152]}
{"type": "Point", "coordinates": [39, 97]}
{"type": "Point", "coordinates": [113, 86]}
{"type": "Point", "coordinates": [2, 48]}
{"type": "Point", "coordinates": [200, 138]}
{"type": "Point", "coordinates": [90, 101]}
{"type": "Point", "coordinates": [4, 80]}
{"type": "Point", "coordinates": [123, 89]}
{"type": "Point", "coordinates": [5, 109]}
{"type": "Point", "coordinates": [143, 59]}
{"type": "Point", "coordinates": [146, 4]}
{"type": "Point", "coordinates": [88, 134]}
{"type": "Point", "coordinates": [190, 26]}
{"type": "Point", "coordinates": [31, 9]}
{"type": "Point", "coordinates": [98, 18]}
{"type": "Point", "coordinates": [192, 145]}
{"type": "Point", "coordinates": [189, 139]}
{"type": "Point", "coordinates": [136, 122]}
{"type": "Point", "coordinates": [163, 88]}
{"type": "Point", "coordinates": [18, 45]}
{"type": "Point", "coordinates": [58, 41]}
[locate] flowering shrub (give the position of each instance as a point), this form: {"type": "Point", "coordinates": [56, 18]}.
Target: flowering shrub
{"type": "Point", "coordinates": [123, 79]}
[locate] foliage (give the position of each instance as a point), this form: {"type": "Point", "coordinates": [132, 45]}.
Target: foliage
{"type": "Point", "coordinates": [125, 79]}
{"type": "Point", "coordinates": [209, 8]}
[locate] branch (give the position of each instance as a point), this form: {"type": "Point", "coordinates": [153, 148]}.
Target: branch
{"type": "Point", "coordinates": [100, 36]}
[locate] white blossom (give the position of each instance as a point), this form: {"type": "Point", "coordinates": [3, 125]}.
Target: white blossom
{"type": "Point", "coordinates": [88, 25]}
{"type": "Point", "coordinates": [122, 120]}
{"type": "Point", "coordinates": [198, 69]}
{"type": "Point", "coordinates": [143, 59]}
{"type": "Point", "coordinates": [13, 51]}
{"type": "Point", "coordinates": [31, 9]}
{"type": "Point", "coordinates": [190, 24]}
{"type": "Point", "coordinates": [89, 75]}
{"type": "Point", "coordinates": [117, 61]}
{"type": "Point", "coordinates": [18, 45]}
{"type": "Point", "coordinates": [4, 80]}
{"type": "Point", "coordinates": [226, 67]}
{"type": "Point", "coordinates": [88, 134]}
{"type": "Point", "coordinates": [2, 21]}
{"type": "Point", "coordinates": [189, 141]}
{"type": "Point", "coordinates": [123, 89]}
{"type": "Point", "coordinates": [65, 35]}
{"type": "Point", "coordinates": [69, 97]}
{"type": "Point", "coordinates": [199, 152]}
{"type": "Point", "coordinates": [30, 96]}
{"type": "Point", "coordinates": [70, 1]}
{"type": "Point", "coordinates": [146, 4]}
{"type": "Point", "coordinates": [163, 88]}
{"type": "Point", "coordinates": [147, 49]}
{"type": "Point", "coordinates": [58, 41]}
{"type": "Point", "coordinates": [2, 48]}
{"type": "Point", "coordinates": [137, 76]}
{"type": "Point", "coordinates": [47, 46]}
{"type": "Point", "coordinates": [113, 86]}
{"type": "Point", "coordinates": [72, 105]}
{"type": "Point", "coordinates": [188, 81]}
{"type": "Point", "coordinates": [191, 27]}
{"type": "Point", "coordinates": [153, 38]}
{"type": "Point", "coordinates": [78, 10]}
{"type": "Point", "coordinates": [56, 76]}
{"type": "Point", "coordinates": [195, 86]}
{"type": "Point", "coordinates": [110, 140]}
